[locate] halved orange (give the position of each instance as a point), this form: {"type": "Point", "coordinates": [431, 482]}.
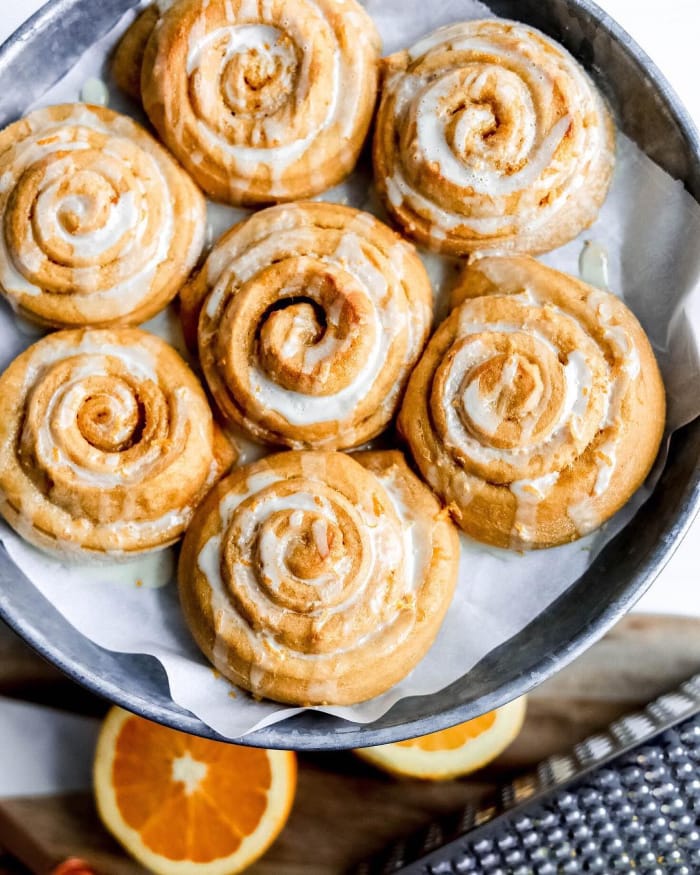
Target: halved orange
{"type": "Point", "coordinates": [183, 805]}
{"type": "Point", "coordinates": [451, 752]}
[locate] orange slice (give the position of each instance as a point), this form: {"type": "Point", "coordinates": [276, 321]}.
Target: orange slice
{"type": "Point", "coordinates": [451, 752]}
{"type": "Point", "coordinates": [183, 805]}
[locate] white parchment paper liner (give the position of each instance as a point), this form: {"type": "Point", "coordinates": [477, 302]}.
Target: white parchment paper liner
{"type": "Point", "coordinates": [651, 229]}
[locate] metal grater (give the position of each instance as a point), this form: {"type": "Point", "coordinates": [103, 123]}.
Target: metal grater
{"type": "Point", "coordinates": [627, 801]}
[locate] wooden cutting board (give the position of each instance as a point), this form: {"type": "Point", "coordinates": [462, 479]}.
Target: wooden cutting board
{"type": "Point", "coordinates": [345, 810]}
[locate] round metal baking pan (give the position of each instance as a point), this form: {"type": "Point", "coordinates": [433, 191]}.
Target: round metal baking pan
{"type": "Point", "coordinates": [648, 111]}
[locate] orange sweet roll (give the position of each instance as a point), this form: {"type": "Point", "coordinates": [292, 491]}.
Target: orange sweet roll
{"type": "Point", "coordinates": [308, 319]}
{"type": "Point", "coordinates": [537, 408]}
{"type": "Point", "coordinates": [100, 226]}
{"type": "Point", "coordinates": [127, 60]}
{"type": "Point", "coordinates": [262, 101]}
{"type": "Point", "coordinates": [491, 137]}
{"type": "Point", "coordinates": [107, 444]}
{"type": "Point", "coordinates": [316, 577]}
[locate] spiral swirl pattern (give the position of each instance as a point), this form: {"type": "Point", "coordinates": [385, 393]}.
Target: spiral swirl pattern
{"type": "Point", "coordinates": [99, 225]}
{"type": "Point", "coordinates": [309, 578]}
{"type": "Point", "coordinates": [537, 408]}
{"type": "Point", "coordinates": [106, 443]}
{"type": "Point", "coordinates": [262, 100]}
{"type": "Point", "coordinates": [310, 318]}
{"type": "Point", "coordinates": [490, 137]}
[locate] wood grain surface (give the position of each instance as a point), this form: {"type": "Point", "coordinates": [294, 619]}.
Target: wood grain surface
{"type": "Point", "coordinates": [345, 810]}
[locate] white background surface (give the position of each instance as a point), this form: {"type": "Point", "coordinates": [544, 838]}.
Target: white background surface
{"type": "Point", "coordinates": [668, 33]}
{"type": "Point", "coordinates": [44, 751]}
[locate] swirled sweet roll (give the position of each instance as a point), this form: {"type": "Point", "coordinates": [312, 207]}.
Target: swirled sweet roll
{"type": "Point", "coordinates": [537, 408]}
{"type": "Point", "coordinates": [312, 577]}
{"type": "Point", "coordinates": [308, 319]}
{"type": "Point", "coordinates": [107, 444]}
{"type": "Point", "coordinates": [261, 100]}
{"type": "Point", "coordinates": [100, 226]}
{"type": "Point", "coordinates": [128, 56]}
{"type": "Point", "coordinates": [491, 137]}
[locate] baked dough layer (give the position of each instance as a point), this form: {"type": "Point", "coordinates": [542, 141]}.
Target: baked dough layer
{"type": "Point", "coordinates": [318, 578]}
{"type": "Point", "coordinates": [537, 408]}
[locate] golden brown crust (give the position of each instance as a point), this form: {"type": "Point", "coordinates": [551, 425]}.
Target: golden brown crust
{"type": "Point", "coordinates": [491, 138]}
{"type": "Point", "coordinates": [308, 319]}
{"type": "Point", "coordinates": [101, 226]}
{"type": "Point", "coordinates": [128, 56]}
{"type": "Point", "coordinates": [226, 453]}
{"type": "Point", "coordinates": [106, 444]}
{"type": "Point", "coordinates": [275, 105]}
{"type": "Point", "coordinates": [537, 408]}
{"type": "Point", "coordinates": [295, 582]}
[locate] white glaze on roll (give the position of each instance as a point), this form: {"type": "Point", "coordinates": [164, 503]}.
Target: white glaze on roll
{"type": "Point", "coordinates": [260, 89]}
{"type": "Point", "coordinates": [489, 135]}
{"type": "Point", "coordinates": [102, 221]}
{"type": "Point", "coordinates": [306, 312]}
{"type": "Point", "coordinates": [106, 445]}
{"type": "Point", "coordinates": [531, 492]}
{"type": "Point", "coordinates": [406, 549]}
{"type": "Point", "coordinates": [481, 409]}
{"type": "Point", "coordinates": [537, 408]}
{"type": "Point", "coordinates": [301, 409]}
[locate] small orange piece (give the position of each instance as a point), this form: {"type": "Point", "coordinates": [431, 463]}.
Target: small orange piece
{"type": "Point", "coordinates": [73, 866]}
{"type": "Point", "coordinates": [183, 805]}
{"type": "Point", "coordinates": [451, 752]}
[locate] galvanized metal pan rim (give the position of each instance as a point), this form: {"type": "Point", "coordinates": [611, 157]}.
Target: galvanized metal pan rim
{"type": "Point", "coordinates": [328, 733]}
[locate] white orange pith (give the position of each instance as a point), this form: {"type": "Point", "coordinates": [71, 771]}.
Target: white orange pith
{"type": "Point", "coordinates": [183, 805]}
{"type": "Point", "coordinates": [451, 752]}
